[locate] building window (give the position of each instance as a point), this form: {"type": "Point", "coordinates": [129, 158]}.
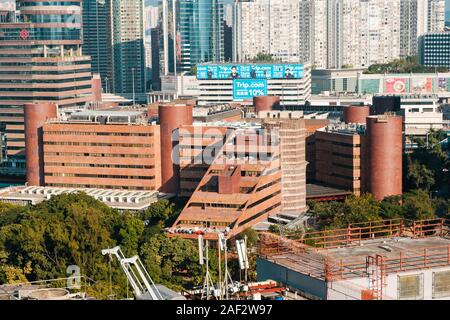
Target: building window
{"type": "Point", "coordinates": [441, 284]}
{"type": "Point", "coordinates": [410, 287]}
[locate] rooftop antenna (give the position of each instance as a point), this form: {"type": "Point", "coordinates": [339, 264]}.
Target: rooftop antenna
{"type": "Point", "coordinates": [208, 285]}
{"type": "Point", "coordinates": [241, 246]}
{"type": "Point", "coordinates": [227, 276]}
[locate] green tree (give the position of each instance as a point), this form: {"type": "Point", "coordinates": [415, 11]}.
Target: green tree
{"type": "Point", "coordinates": [404, 65]}
{"type": "Point", "coordinates": [174, 261]}
{"type": "Point", "coordinates": [263, 57]}
{"type": "Point", "coordinates": [418, 175]}
{"type": "Point", "coordinates": [69, 229]}
{"type": "Point", "coordinates": [391, 207]}
{"type": "Point", "coordinates": [252, 236]}
{"type": "Point", "coordinates": [417, 205]}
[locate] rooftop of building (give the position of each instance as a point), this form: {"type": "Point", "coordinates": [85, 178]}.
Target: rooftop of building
{"type": "Point", "coordinates": [396, 245]}
{"type": "Point", "coordinates": [250, 63]}
{"type": "Point", "coordinates": [118, 115]}
{"type": "Point", "coordinates": [316, 191]}
{"type": "Point", "coordinates": [230, 124]}
{"type": "Point", "coordinates": [344, 128]}
{"type": "Point", "coordinates": [213, 109]}
{"type": "Point", "coordinates": [114, 198]}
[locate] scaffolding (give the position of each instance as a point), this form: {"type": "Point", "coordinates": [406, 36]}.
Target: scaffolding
{"type": "Point", "coordinates": [314, 253]}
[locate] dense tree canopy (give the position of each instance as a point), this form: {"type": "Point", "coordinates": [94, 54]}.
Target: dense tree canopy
{"type": "Point", "coordinates": [413, 205]}
{"type": "Point", "coordinates": [427, 167]}
{"type": "Point", "coordinates": [404, 65]}
{"type": "Point", "coordinates": [263, 57]}
{"type": "Point", "coordinates": [40, 242]}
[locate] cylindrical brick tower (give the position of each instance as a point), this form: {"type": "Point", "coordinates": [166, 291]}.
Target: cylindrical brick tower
{"type": "Point", "coordinates": [35, 116]}
{"type": "Point", "coordinates": [383, 144]}
{"type": "Point", "coordinates": [171, 117]}
{"type": "Point", "coordinates": [356, 114]}
{"type": "Point", "coordinates": [266, 103]}
{"type": "Point", "coordinates": [96, 88]}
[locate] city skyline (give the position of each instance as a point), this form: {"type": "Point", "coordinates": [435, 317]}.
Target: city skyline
{"type": "Point", "coordinates": [224, 150]}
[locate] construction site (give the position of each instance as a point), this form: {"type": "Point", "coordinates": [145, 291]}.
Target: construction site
{"type": "Point", "coordinates": [395, 259]}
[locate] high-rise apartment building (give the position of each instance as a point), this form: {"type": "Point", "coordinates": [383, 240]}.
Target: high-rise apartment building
{"type": "Point", "coordinates": [41, 60]}
{"type": "Point", "coordinates": [333, 33]}
{"type": "Point", "coordinates": [151, 17]}
{"type": "Point", "coordinates": [128, 62]}
{"type": "Point", "coordinates": [114, 33]}
{"type": "Point", "coordinates": [369, 32]}
{"type": "Point", "coordinates": [274, 27]}
{"type": "Point", "coordinates": [418, 17]}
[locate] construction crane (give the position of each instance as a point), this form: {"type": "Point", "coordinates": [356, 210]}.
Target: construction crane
{"type": "Point", "coordinates": [143, 285]}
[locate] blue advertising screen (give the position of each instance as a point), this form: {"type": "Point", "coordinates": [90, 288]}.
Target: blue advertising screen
{"type": "Point", "coordinates": [244, 89]}
{"type": "Point", "coordinates": [250, 71]}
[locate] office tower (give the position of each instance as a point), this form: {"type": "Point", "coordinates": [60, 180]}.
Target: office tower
{"type": "Point", "coordinates": [227, 42]}
{"type": "Point", "coordinates": [199, 32]}
{"type": "Point", "coordinates": [155, 43]}
{"type": "Point", "coordinates": [97, 38]}
{"type": "Point", "coordinates": [271, 27]}
{"type": "Point", "coordinates": [434, 50]}
{"type": "Point", "coordinates": [41, 61]}
{"type": "Point", "coordinates": [151, 19]}
{"type": "Point", "coordinates": [128, 62]}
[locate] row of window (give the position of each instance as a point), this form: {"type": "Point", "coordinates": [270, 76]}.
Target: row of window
{"type": "Point", "coordinates": [105, 176]}
{"type": "Point", "coordinates": [97, 165]}
{"type": "Point", "coordinates": [98, 186]}
{"type": "Point", "coordinates": [98, 144]}
{"type": "Point", "coordinates": [100, 155]}
{"type": "Point", "coordinates": [85, 133]}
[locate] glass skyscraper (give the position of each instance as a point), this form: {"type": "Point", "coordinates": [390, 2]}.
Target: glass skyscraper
{"type": "Point", "coordinates": [97, 38]}
{"type": "Point", "coordinates": [200, 32]}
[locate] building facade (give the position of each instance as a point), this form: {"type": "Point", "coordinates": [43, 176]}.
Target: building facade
{"type": "Point", "coordinates": [41, 60]}
{"type": "Point", "coordinates": [434, 49]}
{"type": "Point", "coordinates": [338, 158]}
{"type": "Point", "coordinates": [97, 39]}
{"type": "Point", "coordinates": [361, 157]}
{"type": "Point", "coordinates": [220, 87]}
{"type": "Point", "coordinates": [105, 150]}
{"type": "Point", "coordinates": [128, 51]}
{"type": "Point", "coordinates": [246, 174]}
{"type": "Point", "coordinates": [200, 32]}
{"type": "Point", "coordinates": [271, 27]}
{"type": "Point", "coordinates": [418, 17]}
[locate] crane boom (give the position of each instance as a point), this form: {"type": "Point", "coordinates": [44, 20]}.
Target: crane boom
{"type": "Point", "coordinates": [136, 273]}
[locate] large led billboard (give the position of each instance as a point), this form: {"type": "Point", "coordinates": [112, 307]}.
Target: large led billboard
{"type": "Point", "coordinates": [249, 71]}
{"type": "Point", "coordinates": [244, 89]}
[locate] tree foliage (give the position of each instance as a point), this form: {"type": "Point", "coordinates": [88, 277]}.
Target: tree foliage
{"type": "Point", "coordinates": [427, 167]}
{"type": "Point", "coordinates": [404, 65]}
{"type": "Point", "coordinates": [263, 57]}
{"type": "Point", "coordinates": [413, 205]}
{"type": "Point", "coordinates": [40, 242]}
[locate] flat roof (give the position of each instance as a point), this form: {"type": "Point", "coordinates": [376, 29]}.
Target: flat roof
{"type": "Point", "coordinates": [114, 198]}
{"type": "Point", "coordinates": [316, 190]}
{"type": "Point", "coordinates": [117, 113]}
{"type": "Point", "coordinates": [399, 254]}
{"type": "Point", "coordinates": [388, 247]}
